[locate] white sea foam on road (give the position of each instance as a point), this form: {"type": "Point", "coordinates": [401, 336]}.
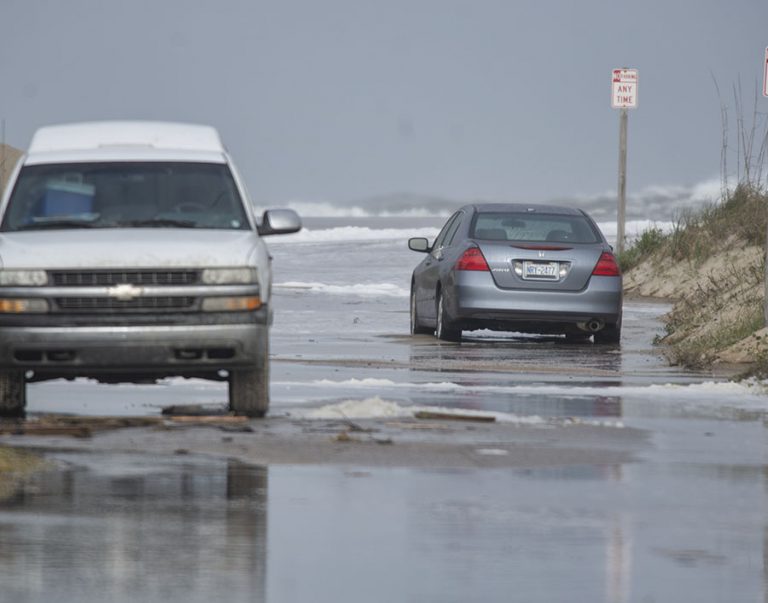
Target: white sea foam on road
{"type": "Point", "coordinates": [378, 408]}
{"type": "Point", "coordinates": [357, 290]}
{"type": "Point", "coordinates": [746, 394]}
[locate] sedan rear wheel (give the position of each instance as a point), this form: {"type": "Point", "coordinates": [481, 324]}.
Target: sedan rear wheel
{"type": "Point", "coordinates": [416, 327]}
{"type": "Point", "coordinates": [446, 330]}
{"type": "Point", "coordinates": [610, 334]}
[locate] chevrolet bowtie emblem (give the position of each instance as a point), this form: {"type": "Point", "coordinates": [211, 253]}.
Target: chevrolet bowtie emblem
{"type": "Point", "coordinates": [125, 292]}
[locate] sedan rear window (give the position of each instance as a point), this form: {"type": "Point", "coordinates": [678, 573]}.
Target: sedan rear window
{"type": "Point", "coordinates": [530, 227]}
{"type": "Point", "coordinates": [125, 195]}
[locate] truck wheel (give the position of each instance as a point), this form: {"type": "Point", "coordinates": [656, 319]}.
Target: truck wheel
{"type": "Point", "coordinates": [13, 393]}
{"type": "Point", "coordinates": [249, 388]}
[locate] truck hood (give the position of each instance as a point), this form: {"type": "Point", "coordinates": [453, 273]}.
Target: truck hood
{"type": "Point", "coordinates": [126, 248]}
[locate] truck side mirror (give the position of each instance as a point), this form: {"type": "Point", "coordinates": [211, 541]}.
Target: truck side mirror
{"type": "Point", "coordinates": [279, 221]}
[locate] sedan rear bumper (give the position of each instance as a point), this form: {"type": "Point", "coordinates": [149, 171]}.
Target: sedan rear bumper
{"type": "Point", "coordinates": [478, 298]}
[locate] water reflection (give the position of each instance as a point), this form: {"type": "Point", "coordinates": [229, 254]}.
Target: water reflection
{"type": "Point", "coordinates": [122, 528]}
{"type": "Point", "coordinates": [136, 532]}
{"type": "Point", "coordinates": [538, 354]}
{"type": "Point", "coordinates": [521, 376]}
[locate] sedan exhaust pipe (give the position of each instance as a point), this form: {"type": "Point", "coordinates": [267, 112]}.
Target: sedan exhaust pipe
{"type": "Point", "coordinates": [592, 326]}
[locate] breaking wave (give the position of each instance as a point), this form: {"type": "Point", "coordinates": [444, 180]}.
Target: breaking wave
{"type": "Point", "coordinates": [325, 209]}
{"type": "Point", "coordinates": [354, 233]}
{"type": "Point", "coordinates": [657, 202]}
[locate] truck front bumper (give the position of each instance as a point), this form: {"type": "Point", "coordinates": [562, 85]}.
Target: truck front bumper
{"type": "Point", "coordinates": [170, 350]}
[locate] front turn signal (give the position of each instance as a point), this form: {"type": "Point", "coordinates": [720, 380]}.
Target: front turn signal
{"type": "Point", "coordinates": [232, 304]}
{"type": "Point", "coordinates": [23, 306]}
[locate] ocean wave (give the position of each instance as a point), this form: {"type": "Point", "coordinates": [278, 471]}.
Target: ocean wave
{"type": "Point", "coordinates": [339, 234]}
{"type": "Point", "coordinates": [633, 228]}
{"type": "Point", "coordinates": [325, 209]}
{"type": "Point", "coordinates": [354, 233]}
{"type": "Point", "coordinates": [663, 201]}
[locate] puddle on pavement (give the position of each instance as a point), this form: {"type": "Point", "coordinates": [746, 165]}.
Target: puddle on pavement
{"type": "Point", "coordinates": [127, 527]}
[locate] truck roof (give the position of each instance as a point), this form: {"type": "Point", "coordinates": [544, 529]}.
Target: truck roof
{"type": "Point", "coordinates": [125, 141]}
{"type": "Point", "coordinates": [120, 134]}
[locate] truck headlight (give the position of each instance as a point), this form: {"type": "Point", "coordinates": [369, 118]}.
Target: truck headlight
{"type": "Point", "coordinates": [23, 278]}
{"type": "Point", "coordinates": [229, 276]}
{"type": "Point", "coordinates": [23, 306]}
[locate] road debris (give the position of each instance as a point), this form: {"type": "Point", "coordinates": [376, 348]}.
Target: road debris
{"type": "Point", "coordinates": [196, 410]}
{"type": "Point", "coordinates": [420, 426]}
{"type": "Point", "coordinates": [450, 416]}
{"type": "Point", "coordinates": [67, 425]}
{"type": "Point", "coordinates": [85, 427]}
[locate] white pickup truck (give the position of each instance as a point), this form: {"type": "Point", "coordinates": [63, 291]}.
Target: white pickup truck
{"type": "Point", "coordinates": [129, 251]}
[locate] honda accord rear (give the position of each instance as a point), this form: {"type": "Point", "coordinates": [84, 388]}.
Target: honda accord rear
{"type": "Point", "coordinates": [525, 268]}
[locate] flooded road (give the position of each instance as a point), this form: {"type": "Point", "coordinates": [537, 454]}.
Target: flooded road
{"type": "Point", "coordinates": [138, 528]}
{"type": "Point", "coordinates": [606, 476]}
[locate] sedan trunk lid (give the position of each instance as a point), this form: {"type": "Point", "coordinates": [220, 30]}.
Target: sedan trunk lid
{"type": "Point", "coordinates": [543, 266]}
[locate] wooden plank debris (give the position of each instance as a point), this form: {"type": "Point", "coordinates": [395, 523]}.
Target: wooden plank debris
{"type": "Point", "coordinates": [450, 416]}
{"type": "Point", "coordinates": [207, 420]}
{"type": "Point", "coordinates": [84, 427]}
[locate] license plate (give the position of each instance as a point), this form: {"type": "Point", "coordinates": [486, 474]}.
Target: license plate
{"type": "Point", "coordinates": [541, 270]}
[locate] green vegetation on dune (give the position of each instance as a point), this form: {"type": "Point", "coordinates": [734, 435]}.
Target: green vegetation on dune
{"type": "Point", "coordinates": [697, 235]}
{"type": "Point", "coordinates": [712, 264]}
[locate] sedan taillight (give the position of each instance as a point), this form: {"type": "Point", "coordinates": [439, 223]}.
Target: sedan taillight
{"type": "Point", "coordinates": [472, 259]}
{"type": "Point", "coordinates": [606, 266]}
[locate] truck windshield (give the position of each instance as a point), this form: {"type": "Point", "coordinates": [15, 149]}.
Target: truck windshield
{"type": "Point", "coordinates": [125, 195]}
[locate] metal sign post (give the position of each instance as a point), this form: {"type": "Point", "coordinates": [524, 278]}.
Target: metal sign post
{"type": "Point", "coordinates": [624, 97]}
{"type": "Point", "coordinates": [765, 74]}
{"type": "Point", "coordinates": [622, 209]}
{"type": "Point", "coordinates": [765, 285]}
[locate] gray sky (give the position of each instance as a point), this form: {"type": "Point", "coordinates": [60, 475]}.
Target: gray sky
{"type": "Point", "coordinates": [345, 99]}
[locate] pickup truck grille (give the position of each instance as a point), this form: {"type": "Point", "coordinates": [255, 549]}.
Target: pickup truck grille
{"type": "Point", "coordinates": [110, 304]}
{"type": "Point", "coordinates": [108, 278]}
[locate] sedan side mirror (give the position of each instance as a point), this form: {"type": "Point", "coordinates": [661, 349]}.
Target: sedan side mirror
{"type": "Point", "coordinates": [419, 244]}
{"type": "Point", "coordinates": [279, 221]}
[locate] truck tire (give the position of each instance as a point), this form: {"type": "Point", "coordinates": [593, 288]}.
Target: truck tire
{"type": "Point", "coordinates": [249, 388]}
{"type": "Point", "coordinates": [13, 393]}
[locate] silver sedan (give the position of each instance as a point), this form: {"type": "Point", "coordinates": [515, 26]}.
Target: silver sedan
{"type": "Point", "coordinates": [513, 267]}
